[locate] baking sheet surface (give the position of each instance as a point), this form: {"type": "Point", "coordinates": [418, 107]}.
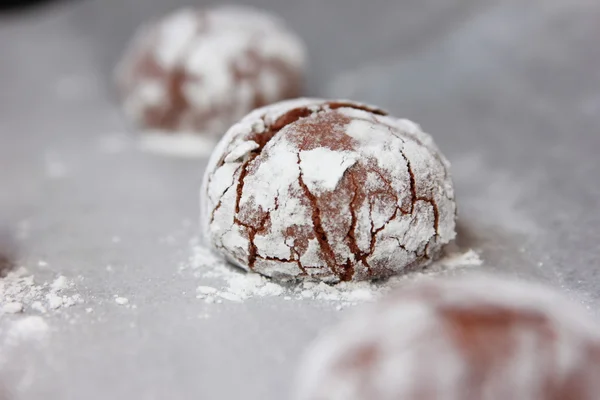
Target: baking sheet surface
{"type": "Point", "coordinates": [509, 89]}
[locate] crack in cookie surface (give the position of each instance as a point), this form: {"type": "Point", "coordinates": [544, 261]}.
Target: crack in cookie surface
{"type": "Point", "coordinates": [262, 139]}
{"type": "Point", "coordinates": [320, 234]}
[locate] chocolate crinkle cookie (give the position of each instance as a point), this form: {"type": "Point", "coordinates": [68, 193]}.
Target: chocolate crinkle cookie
{"type": "Point", "coordinates": [200, 70]}
{"type": "Point", "coordinates": [332, 190]}
{"type": "Point", "coordinates": [460, 339]}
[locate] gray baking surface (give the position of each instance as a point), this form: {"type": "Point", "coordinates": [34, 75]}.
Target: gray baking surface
{"type": "Point", "coordinates": [509, 89]}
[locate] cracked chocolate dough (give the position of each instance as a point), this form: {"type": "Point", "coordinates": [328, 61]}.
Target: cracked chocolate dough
{"type": "Point", "coordinates": [470, 338]}
{"type": "Point", "coordinates": [331, 190]}
{"type": "Point", "coordinates": [200, 70]}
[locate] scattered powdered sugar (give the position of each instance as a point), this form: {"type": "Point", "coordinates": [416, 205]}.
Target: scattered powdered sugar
{"type": "Point", "coordinates": [221, 281]}
{"type": "Point", "coordinates": [453, 259]}
{"type": "Point", "coordinates": [20, 293]}
{"type": "Point", "coordinates": [237, 286]}
{"type": "Point", "coordinates": [122, 301]}
{"type": "Point", "coordinates": [12, 308]}
{"type": "Point", "coordinates": [60, 283]}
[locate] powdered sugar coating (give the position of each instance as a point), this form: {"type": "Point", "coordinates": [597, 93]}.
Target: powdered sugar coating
{"type": "Point", "coordinates": [332, 190]}
{"type": "Point", "coordinates": [200, 70]}
{"type": "Point", "coordinates": [471, 338]}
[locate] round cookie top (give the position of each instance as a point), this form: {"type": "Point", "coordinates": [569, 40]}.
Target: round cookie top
{"type": "Point", "coordinates": [333, 190]}
{"type": "Point", "coordinates": [199, 70]}
{"type": "Point", "coordinates": [471, 338]}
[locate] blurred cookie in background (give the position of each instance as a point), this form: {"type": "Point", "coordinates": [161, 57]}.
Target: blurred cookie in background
{"type": "Point", "coordinates": [195, 72]}
{"type": "Point", "coordinates": [461, 338]}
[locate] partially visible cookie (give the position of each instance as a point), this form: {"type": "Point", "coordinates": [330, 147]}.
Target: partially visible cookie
{"type": "Point", "coordinates": [459, 339]}
{"type": "Point", "coordinates": [199, 70]}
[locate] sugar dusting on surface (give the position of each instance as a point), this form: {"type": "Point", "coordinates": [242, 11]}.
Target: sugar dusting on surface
{"type": "Point", "coordinates": [19, 292]}
{"type": "Point", "coordinates": [122, 301]}
{"type": "Point", "coordinates": [220, 281]}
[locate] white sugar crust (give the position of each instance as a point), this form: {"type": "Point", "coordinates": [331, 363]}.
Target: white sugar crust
{"type": "Point", "coordinates": [404, 215]}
